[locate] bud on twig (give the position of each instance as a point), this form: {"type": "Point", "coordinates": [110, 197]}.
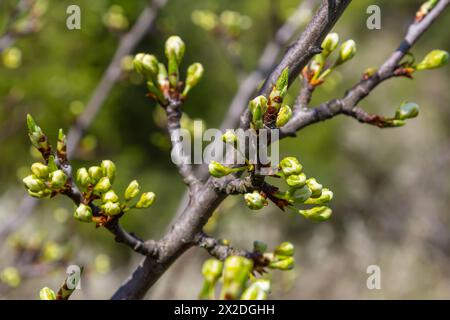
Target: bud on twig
{"type": "Point", "coordinates": [61, 145]}
{"type": "Point", "coordinates": [57, 179]}
{"type": "Point", "coordinates": [83, 213]}
{"type": "Point", "coordinates": [346, 52]}
{"type": "Point", "coordinates": [317, 213]}
{"type": "Point", "coordinates": [40, 170]}
{"type": "Point", "coordinates": [111, 208]}
{"type": "Point", "coordinates": [326, 196]}
{"type": "Point", "coordinates": [174, 50]}
{"type": "Point", "coordinates": [258, 107]}
{"type": "Point", "coordinates": [330, 44]}
{"type": "Point", "coordinates": [95, 174]}
{"type": "Point", "coordinates": [290, 166]}
{"type": "Point", "coordinates": [103, 185]}
{"type": "Point", "coordinates": [110, 196]}
{"type": "Point", "coordinates": [285, 249]}
{"type": "Point", "coordinates": [279, 91]}
{"type": "Point", "coordinates": [132, 190]}
{"type": "Point", "coordinates": [255, 201]}
{"type": "Point", "coordinates": [147, 65]}
{"type": "Point", "coordinates": [212, 270]}
{"type": "Point", "coordinates": [194, 74]}
{"type": "Point", "coordinates": [315, 187]}
{"type": "Point", "coordinates": [37, 137]}
{"type": "Point", "coordinates": [109, 169]}
{"type": "Point", "coordinates": [235, 274]}
{"type": "Point", "coordinates": [83, 178]}
{"type": "Point", "coordinates": [218, 170]}
{"type": "Point", "coordinates": [287, 263]}
{"type": "Point", "coordinates": [33, 183]}
{"type": "Point", "coordinates": [146, 200]}
{"type": "Point", "coordinates": [296, 181]}
{"type": "Point", "coordinates": [258, 290]}
{"type": "Point", "coordinates": [47, 294]}
{"type": "Point", "coordinates": [284, 115]}
{"type": "Point", "coordinates": [434, 59]}
{"type": "Point", "coordinates": [407, 111]}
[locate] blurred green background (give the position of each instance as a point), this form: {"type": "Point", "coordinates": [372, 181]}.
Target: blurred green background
{"type": "Point", "coordinates": [391, 186]}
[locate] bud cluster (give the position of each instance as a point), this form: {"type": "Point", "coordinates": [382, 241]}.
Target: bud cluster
{"type": "Point", "coordinates": [319, 68]}
{"type": "Point", "coordinates": [282, 258]}
{"type": "Point", "coordinates": [97, 182]}
{"type": "Point", "coordinates": [164, 82]}
{"type": "Point", "coordinates": [271, 112]}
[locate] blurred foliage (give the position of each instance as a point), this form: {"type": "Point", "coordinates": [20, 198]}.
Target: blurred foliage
{"type": "Point", "coordinates": [53, 72]}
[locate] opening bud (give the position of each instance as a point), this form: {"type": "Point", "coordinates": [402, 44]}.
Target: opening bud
{"type": "Point", "coordinates": [284, 115]}
{"type": "Point", "coordinates": [212, 270]}
{"type": "Point", "coordinates": [330, 44]}
{"type": "Point", "coordinates": [83, 213]}
{"type": "Point", "coordinates": [346, 52]}
{"type": "Point", "coordinates": [407, 111]}
{"type": "Point", "coordinates": [326, 196]}
{"type": "Point", "coordinates": [296, 181]}
{"type": "Point", "coordinates": [279, 91]}
{"type": "Point", "coordinates": [175, 49]}
{"type": "Point", "coordinates": [194, 74]}
{"type": "Point", "coordinates": [58, 179]}
{"type": "Point", "coordinates": [258, 107]}
{"type": "Point", "coordinates": [147, 65]}
{"type": "Point", "coordinates": [40, 170]}
{"type": "Point", "coordinates": [33, 183]}
{"type": "Point", "coordinates": [322, 213]}
{"type": "Point", "coordinates": [110, 196]}
{"type": "Point", "coordinates": [218, 170]}
{"type": "Point", "coordinates": [434, 59]}
{"type": "Point", "coordinates": [109, 169]}
{"type": "Point", "coordinates": [95, 174]}
{"type": "Point", "coordinates": [258, 290]}
{"type": "Point", "coordinates": [283, 264]}
{"type": "Point", "coordinates": [83, 178]}
{"type": "Point", "coordinates": [103, 185]}
{"type": "Point", "coordinates": [255, 201]}
{"type": "Point", "coordinates": [146, 200]}
{"type": "Point", "coordinates": [47, 294]}
{"type": "Point", "coordinates": [290, 166]}
{"type": "Point", "coordinates": [285, 249]}
{"type": "Point", "coordinates": [132, 190]}
{"type": "Point", "coordinates": [111, 208]}
{"type": "Point", "coordinates": [315, 187]}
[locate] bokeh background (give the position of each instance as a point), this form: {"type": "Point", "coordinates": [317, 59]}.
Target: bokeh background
{"type": "Point", "coordinates": [392, 187]}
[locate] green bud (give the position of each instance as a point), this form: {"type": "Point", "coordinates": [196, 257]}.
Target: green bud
{"type": "Point", "coordinates": [299, 195]}
{"type": "Point", "coordinates": [52, 164]}
{"type": "Point", "coordinates": [285, 249]}
{"type": "Point", "coordinates": [284, 264]}
{"type": "Point", "coordinates": [229, 137]}
{"type": "Point", "coordinates": [218, 170]}
{"type": "Point", "coordinates": [83, 213]}
{"type": "Point", "coordinates": [194, 74]}
{"type": "Point", "coordinates": [279, 91]}
{"type": "Point", "coordinates": [146, 64]}
{"type": "Point", "coordinates": [174, 52]}
{"type": "Point", "coordinates": [83, 178]}
{"type": "Point", "coordinates": [346, 52]}
{"type": "Point", "coordinates": [407, 111]}
{"type": "Point", "coordinates": [315, 187]}
{"type": "Point", "coordinates": [290, 166]}
{"type": "Point", "coordinates": [259, 246]}
{"type": "Point", "coordinates": [33, 183]}
{"type": "Point", "coordinates": [327, 196]}
{"type": "Point", "coordinates": [132, 190]}
{"type": "Point", "coordinates": [296, 181]}
{"type": "Point", "coordinates": [258, 107]}
{"type": "Point", "coordinates": [397, 123]}
{"type": "Point", "coordinates": [37, 137]}
{"type": "Point", "coordinates": [330, 44]}
{"type": "Point", "coordinates": [255, 201]}
{"type": "Point", "coordinates": [111, 208]}
{"type": "Point", "coordinates": [322, 213]}
{"type": "Point", "coordinates": [212, 270]}
{"type": "Point", "coordinates": [40, 194]}
{"type": "Point", "coordinates": [95, 174]}
{"type": "Point", "coordinates": [110, 196]}
{"type": "Point", "coordinates": [109, 169]}
{"type": "Point", "coordinates": [103, 185]}
{"type": "Point", "coordinates": [58, 179]}
{"type": "Point", "coordinates": [163, 79]}
{"type": "Point", "coordinates": [61, 145]}
{"type": "Point", "coordinates": [258, 290]}
{"type": "Point", "coordinates": [47, 294]}
{"type": "Point", "coordinates": [284, 115]}
{"type": "Point", "coordinates": [40, 170]}
{"type": "Point", "coordinates": [146, 200]}
{"type": "Point", "coordinates": [434, 59]}
{"type": "Point", "coordinates": [175, 48]}
{"type": "Point", "coordinates": [235, 274]}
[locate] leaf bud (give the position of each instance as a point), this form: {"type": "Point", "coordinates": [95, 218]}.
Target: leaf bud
{"type": "Point", "coordinates": [284, 115]}
{"type": "Point", "coordinates": [434, 59]}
